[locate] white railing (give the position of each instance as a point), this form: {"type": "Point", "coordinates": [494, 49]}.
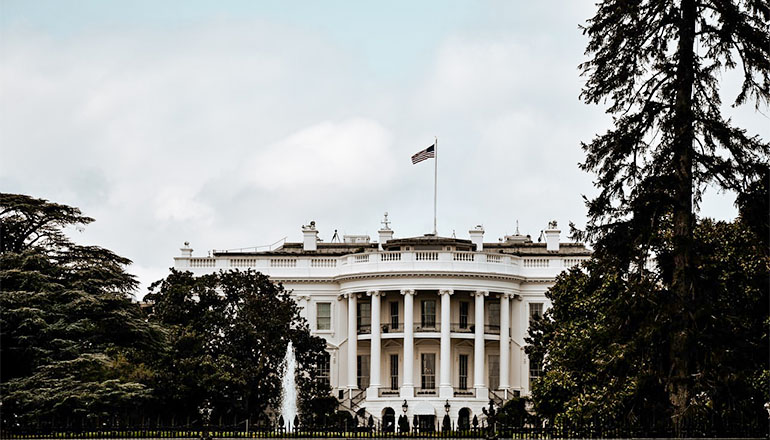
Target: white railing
{"type": "Point", "coordinates": [426, 256]}
{"type": "Point", "coordinates": [463, 256]}
{"type": "Point", "coordinates": [570, 262]}
{"type": "Point", "coordinates": [494, 258]}
{"type": "Point", "coordinates": [283, 262]}
{"type": "Point", "coordinates": [390, 256]}
{"type": "Point", "coordinates": [536, 262]}
{"type": "Point", "coordinates": [363, 258]}
{"type": "Point", "coordinates": [203, 262]}
{"type": "Point", "coordinates": [323, 262]}
{"type": "Point", "coordinates": [243, 262]}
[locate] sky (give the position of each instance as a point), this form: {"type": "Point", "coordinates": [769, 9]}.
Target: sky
{"type": "Point", "coordinates": [230, 124]}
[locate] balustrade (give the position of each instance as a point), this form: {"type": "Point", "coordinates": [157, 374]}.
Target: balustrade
{"type": "Point", "coordinates": [203, 262]}
{"type": "Point", "coordinates": [323, 262]}
{"type": "Point", "coordinates": [283, 262]}
{"type": "Point", "coordinates": [427, 327]}
{"type": "Point", "coordinates": [536, 262]}
{"type": "Point", "coordinates": [426, 256]}
{"type": "Point", "coordinates": [463, 256]}
{"type": "Point", "coordinates": [243, 262]}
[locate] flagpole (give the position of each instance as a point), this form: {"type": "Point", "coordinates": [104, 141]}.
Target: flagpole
{"type": "Point", "coordinates": [435, 185]}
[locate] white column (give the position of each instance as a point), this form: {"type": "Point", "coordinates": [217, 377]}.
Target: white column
{"type": "Point", "coordinates": [374, 369]}
{"type": "Point", "coordinates": [352, 342]}
{"type": "Point", "coordinates": [445, 377]}
{"type": "Point", "coordinates": [505, 327]}
{"type": "Point", "coordinates": [407, 388]}
{"type": "Point", "coordinates": [478, 347]}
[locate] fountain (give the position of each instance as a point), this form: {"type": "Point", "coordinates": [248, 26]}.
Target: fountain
{"type": "Point", "coordinates": [289, 388]}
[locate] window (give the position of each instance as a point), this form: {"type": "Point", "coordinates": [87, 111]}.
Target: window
{"type": "Point", "coordinates": [494, 315]}
{"type": "Point", "coordinates": [394, 315]}
{"type": "Point", "coordinates": [363, 372]}
{"type": "Point", "coordinates": [394, 372]}
{"type": "Point", "coordinates": [535, 369]}
{"type": "Point", "coordinates": [535, 311]}
{"type": "Point", "coordinates": [428, 371]}
{"type": "Point", "coordinates": [464, 314]}
{"type": "Point", "coordinates": [364, 315]}
{"type": "Point", "coordinates": [323, 316]}
{"type": "Point", "coordinates": [323, 369]}
{"type": "Point", "coordinates": [428, 314]}
{"type": "Point", "coordinates": [494, 371]}
{"type": "Point", "coordinates": [463, 369]}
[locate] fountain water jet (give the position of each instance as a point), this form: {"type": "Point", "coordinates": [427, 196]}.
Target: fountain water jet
{"type": "Point", "coordinates": [289, 388]}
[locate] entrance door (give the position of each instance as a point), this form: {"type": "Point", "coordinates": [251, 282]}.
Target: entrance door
{"type": "Point", "coordinates": [389, 420]}
{"type": "Point", "coordinates": [426, 423]}
{"type": "Point", "coordinates": [464, 419]}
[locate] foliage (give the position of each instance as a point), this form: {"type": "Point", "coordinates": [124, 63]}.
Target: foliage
{"type": "Point", "coordinates": [658, 65]}
{"type": "Point", "coordinates": [606, 339]}
{"type": "Point", "coordinates": [513, 413]}
{"type": "Point", "coordinates": [228, 337]}
{"type": "Point", "coordinates": [71, 341]}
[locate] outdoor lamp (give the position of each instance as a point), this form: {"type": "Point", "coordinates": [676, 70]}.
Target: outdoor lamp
{"type": "Point", "coordinates": [447, 406]}
{"type": "Point", "coordinates": [404, 407]}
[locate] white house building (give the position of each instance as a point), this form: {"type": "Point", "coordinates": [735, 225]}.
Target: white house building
{"type": "Point", "coordinates": [422, 326]}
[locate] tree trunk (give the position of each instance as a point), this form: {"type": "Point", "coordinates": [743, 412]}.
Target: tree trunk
{"type": "Point", "coordinates": [680, 384]}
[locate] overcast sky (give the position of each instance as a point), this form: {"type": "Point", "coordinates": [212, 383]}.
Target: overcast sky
{"type": "Point", "coordinates": [232, 123]}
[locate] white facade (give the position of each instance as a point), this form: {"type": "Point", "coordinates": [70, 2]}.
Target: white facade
{"type": "Point", "coordinates": [399, 316]}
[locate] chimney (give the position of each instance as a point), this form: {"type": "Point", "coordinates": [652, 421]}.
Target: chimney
{"type": "Point", "coordinates": [309, 237]}
{"type": "Point", "coordinates": [385, 235]}
{"type": "Point", "coordinates": [186, 250]}
{"type": "Point", "coordinates": [552, 237]}
{"type": "Point", "coordinates": [477, 237]}
{"type": "Point", "coordinates": [385, 232]}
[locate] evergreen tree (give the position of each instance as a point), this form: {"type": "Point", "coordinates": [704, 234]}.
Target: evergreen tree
{"type": "Point", "coordinates": [606, 339]}
{"type": "Point", "coordinates": [658, 63]}
{"type": "Point", "coordinates": [73, 345]}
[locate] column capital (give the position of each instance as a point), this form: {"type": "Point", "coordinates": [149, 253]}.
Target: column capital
{"type": "Point", "coordinates": [373, 293]}
{"type": "Point", "coordinates": [407, 292]}
{"type": "Point", "coordinates": [304, 297]}
{"type": "Point", "coordinates": [507, 295]}
{"type": "Point", "coordinates": [481, 293]}
{"type": "Point", "coordinates": [446, 292]}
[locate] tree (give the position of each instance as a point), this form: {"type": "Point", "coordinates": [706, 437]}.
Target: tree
{"type": "Point", "coordinates": [659, 64]}
{"type": "Point", "coordinates": [605, 340]}
{"type": "Point", "coordinates": [229, 332]}
{"type": "Point", "coordinates": [72, 344]}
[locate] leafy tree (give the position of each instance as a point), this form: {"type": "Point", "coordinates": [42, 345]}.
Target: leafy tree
{"type": "Point", "coordinates": [229, 332]}
{"type": "Point", "coordinates": [72, 344]}
{"type": "Point", "coordinates": [606, 339]}
{"type": "Point", "coordinates": [658, 64]}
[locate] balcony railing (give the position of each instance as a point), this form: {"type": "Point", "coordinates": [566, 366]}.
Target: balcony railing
{"type": "Point", "coordinates": [426, 392]}
{"type": "Point", "coordinates": [387, 392]}
{"type": "Point", "coordinates": [462, 328]}
{"type": "Point", "coordinates": [427, 327]}
{"type": "Point", "coordinates": [467, 392]}
{"type": "Point", "coordinates": [391, 328]}
{"type": "Point", "coordinates": [430, 328]}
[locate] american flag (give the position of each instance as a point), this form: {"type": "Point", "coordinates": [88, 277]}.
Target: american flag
{"type": "Point", "coordinates": [424, 154]}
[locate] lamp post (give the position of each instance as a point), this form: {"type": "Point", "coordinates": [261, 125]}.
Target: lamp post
{"type": "Point", "coordinates": [404, 407]}
{"type": "Point", "coordinates": [447, 406]}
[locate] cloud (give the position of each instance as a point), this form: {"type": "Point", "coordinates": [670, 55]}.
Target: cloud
{"type": "Point", "coordinates": [352, 154]}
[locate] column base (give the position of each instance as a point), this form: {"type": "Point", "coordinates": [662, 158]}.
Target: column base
{"type": "Point", "coordinates": [446, 392]}
{"type": "Point", "coordinates": [482, 393]}
{"type": "Point", "coordinates": [406, 392]}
